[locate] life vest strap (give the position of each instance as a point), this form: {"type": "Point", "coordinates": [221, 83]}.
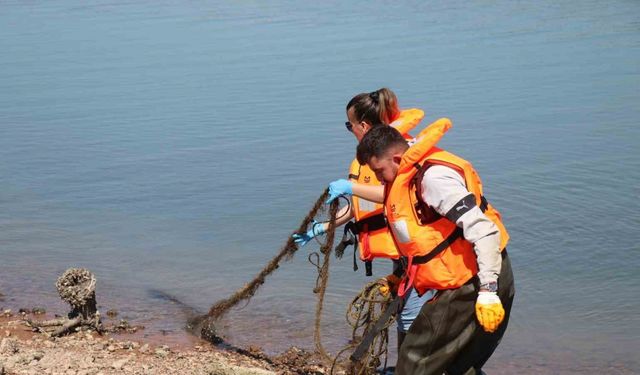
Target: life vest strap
{"type": "Point", "coordinates": [349, 238]}
{"type": "Point", "coordinates": [410, 274]}
{"type": "Point", "coordinates": [371, 223]}
{"type": "Point", "coordinates": [422, 259]}
{"type": "Point", "coordinates": [364, 238]}
{"type": "Point", "coordinates": [411, 263]}
{"type": "Point", "coordinates": [351, 232]}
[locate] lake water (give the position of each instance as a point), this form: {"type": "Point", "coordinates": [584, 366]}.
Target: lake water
{"type": "Point", "coordinates": [175, 145]}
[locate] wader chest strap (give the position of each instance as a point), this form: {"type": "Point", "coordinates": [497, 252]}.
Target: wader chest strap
{"type": "Point", "coordinates": [375, 330]}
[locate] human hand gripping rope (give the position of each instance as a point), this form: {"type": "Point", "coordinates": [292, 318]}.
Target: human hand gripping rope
{"type": "Point", "coordinates": [317, 229]}
{"type": "Point", "coordinates": [339, 188]}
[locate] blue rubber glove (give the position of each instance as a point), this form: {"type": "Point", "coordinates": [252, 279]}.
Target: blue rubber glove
{"type": "Point", "coordinates": [317, 229]}
{"type": "Point", "coordinates": [338, 188]}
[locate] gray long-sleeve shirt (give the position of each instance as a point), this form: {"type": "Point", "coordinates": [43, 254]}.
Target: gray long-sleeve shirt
{"type": "Point", "coordinates": [442, 188]}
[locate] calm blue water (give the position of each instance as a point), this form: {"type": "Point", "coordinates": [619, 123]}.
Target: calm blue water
{"type": "Point", "coordinates": [175, 145]}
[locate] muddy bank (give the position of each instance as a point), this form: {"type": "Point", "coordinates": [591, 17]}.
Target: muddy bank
{"type": "Point", "coordinates": [86, 353]}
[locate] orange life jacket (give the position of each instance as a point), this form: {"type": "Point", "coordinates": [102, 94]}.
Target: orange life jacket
{"type": "Point", "coordinates": [374, 239]}
{"type": "Point", "coordinates": [407, 120]}
{"type": "Point", "coordinates": [437, 254]}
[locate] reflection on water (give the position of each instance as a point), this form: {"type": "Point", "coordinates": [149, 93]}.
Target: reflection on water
{"type": "Point", "coordinates": [174, 147]}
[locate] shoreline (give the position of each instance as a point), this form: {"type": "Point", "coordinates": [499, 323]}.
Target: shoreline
{"type": "Point", "coordinates": [23, 351]}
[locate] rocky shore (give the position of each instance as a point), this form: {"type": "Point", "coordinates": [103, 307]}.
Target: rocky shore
{"type": "Point", "coordinates": [23, 351]}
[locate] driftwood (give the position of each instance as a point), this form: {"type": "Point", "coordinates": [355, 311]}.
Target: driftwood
{"type": "Point", "coordinates": [76, 286]}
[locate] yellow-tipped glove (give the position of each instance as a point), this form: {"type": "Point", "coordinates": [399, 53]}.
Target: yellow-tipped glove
{"type": "Point", "coordinates": [489, 311]}
{"type": "Point", "coordinates": [388, 284]}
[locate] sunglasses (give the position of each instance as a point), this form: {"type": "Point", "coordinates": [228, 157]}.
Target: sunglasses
{"type": "Point", "coordinates": [349, 126]}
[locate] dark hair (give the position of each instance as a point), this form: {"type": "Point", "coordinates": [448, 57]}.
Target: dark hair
{"type": "Point", "coordinates": [376, 108]}
{"type": "Point", "coordinates": [378, 141]}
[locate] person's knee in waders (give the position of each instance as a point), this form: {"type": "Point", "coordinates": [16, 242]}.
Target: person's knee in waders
{"type": "Point", "coordinates": [454, 243]}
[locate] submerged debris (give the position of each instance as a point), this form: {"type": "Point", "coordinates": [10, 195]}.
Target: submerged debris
{"type": "Point", "coordinates": [124, 326]}
{"type": "Point", "coordinates": [300, 361]}
{"type": "Point", "coordinates": [38, 311]}
{"type": "Point", "coordinates": [77, 286]}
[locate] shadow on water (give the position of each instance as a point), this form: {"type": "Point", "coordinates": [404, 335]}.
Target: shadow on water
{"type": "Point", "coordinates": [186, 309]}
{"type": "Point", "coordinates": [195, 320]}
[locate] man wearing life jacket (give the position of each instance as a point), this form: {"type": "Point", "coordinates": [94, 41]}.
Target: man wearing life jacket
{"type": "Point", "coordinates": [372, 237]}
{"type": "Point", "coordinates": [453, 241]}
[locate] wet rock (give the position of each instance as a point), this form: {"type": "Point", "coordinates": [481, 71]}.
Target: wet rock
{"type": "Point", "coordinates": [112, 313]}
{"type": "Point", "coordinates": [38, 311]}
{"type": "Point", "coordinates": [9, 346]}
{"type": "Point", "coordinates": [24, 311]}
{"type": "Point", "coordinates": [7, 313]}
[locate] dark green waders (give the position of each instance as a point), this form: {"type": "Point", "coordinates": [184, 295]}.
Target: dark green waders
{"type": "Point", "coordinates": [446, 336]}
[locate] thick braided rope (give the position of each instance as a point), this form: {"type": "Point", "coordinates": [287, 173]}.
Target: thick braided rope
{"type": "Point", "coordinates": [220, 308]}
{"type": "Point", "coordinates": [362, 313]}
{"type": "Point", "coordinates": [323, 279]}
